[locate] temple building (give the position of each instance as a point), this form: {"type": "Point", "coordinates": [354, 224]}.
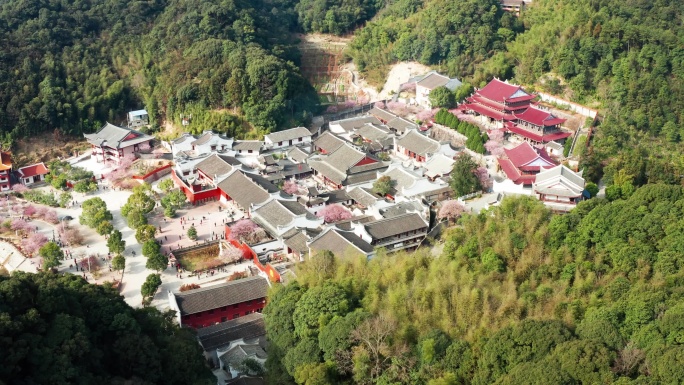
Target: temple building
{"type": "Point", "coordinates": [510, 107]}
{"type": "Point", "coordinates": [522, 163]}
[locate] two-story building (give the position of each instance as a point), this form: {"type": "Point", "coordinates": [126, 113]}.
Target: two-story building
{"type": "Point", "coordinates": [112, 143]}
{"type": "Point", "coordinates": [5, 171]}
{"type": "Point", "coordinates": [559, 188]}
{"type": "Point", "coordinates": [219, 303]}
{"type": "Point", "coordinates": [400, 232]}
{"type": "Point", "coordinates": [341, 243]}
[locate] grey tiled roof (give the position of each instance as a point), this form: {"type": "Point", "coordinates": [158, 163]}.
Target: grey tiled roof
{"type": "Point", "coordinates": [291, 134]}
{"type": "Point", "coordinates": [434, 80]}
{"type": "Point", "coordinates": [401, 125]}
{"type": "Point", "coordinates": [328, 142]}
{"type": "Point", "coordinates": [335, 196]}
{"type": "Point", "coordinates": [297, 242]}
{"type": "Point", "coordinates": [344, 157]}
{"type": "Point", "coordinates": [239, 353]}
{"type": "Point", "coordinates": [559, 181]}
{"type": "Point", "coordinates": [214, 165]}
{"type": "Point", "coordinates": [381, 114]}
{"type": "Point", "coordinates": [243, 190]}
{"type": "Point", "coordinates": [353, 123]}
{"type": "Point", "coordinates": [298, 155]}
{"type": "Point", "coordinates": [204, 138]}
{"type": "Point", "coordinates": [339, 242]}
{"type": "Point", "coordinates": [418, 143]}
{"type": "Point", "coordinates": [372, 132]}
{"type": "Point", "coordinates": [183, 138]}
{"type": "Point", "coordinates": [362, 196]}
{"type": "Point", "coordinates": [396, 225]}
{"type": "Point", "coordinates": [401, 209]}
{"type": "Point", "coordinates": [113, 136]}
{"type": "Point", "coordinates": [222, 334]}
{"type": "Point", "coordinates": [280, 213]}
{"type": "Point", "coordinates": [225, 294]}
{"type": "Point", "coordinates": [330, 172]}
{"type": "Point", "coordinates": [246, 145]}
{"type": "Point", "coordinates": [401, 177]}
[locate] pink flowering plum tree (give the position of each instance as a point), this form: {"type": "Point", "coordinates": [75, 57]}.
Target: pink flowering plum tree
{"type": "Point", "coordinates": [483, 175]}
{"type": "Point", "coordinates": [21, 225]}
{"type": "Point", "coordinates": [20, 188]}
{"type": "Point", "coordinates": [230, 254]}
{"type": "Point", "coordinates": [334, 213]}
{"type": "Point", "coordinates": [31, 244]}
{"type": "Point", "coordinates": [380, 105]}
{"type": "Point", "coordinates": [451, 210]}
{"type": "Point", "coordinates": [425, 115]}
{"type": "Point", "coordinates": [291, 187]}
{"type": "Point", "coordinates": [247, 231]}
{"type": "Point", "coordinates": [397, 107]}
{"type": "Point", "coordinates": [30, 210]}
{"type": "Point", "coordinates": [51, 216]}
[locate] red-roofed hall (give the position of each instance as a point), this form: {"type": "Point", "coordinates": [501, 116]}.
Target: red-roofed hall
{"type": "Point", "coordinates": [32, 174]}
{"type": "Point", "coordinates": [509, 107]}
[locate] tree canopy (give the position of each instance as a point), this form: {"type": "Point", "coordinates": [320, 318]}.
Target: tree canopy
{"type": "Point", "coordinates": [518, 295]}
{"type": "Point", "coordinates": [58, 329]}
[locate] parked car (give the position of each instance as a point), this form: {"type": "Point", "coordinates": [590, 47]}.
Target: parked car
{"type": "Point", "coordinates": [65, 218]}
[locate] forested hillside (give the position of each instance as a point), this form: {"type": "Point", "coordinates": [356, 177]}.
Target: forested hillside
{"type": "Point", "coordinates": [625, 58]}
{"type": "Point", "coordinates": [519, 296]}
{"type": "Point", "coordinates": [456, 35]}
{"type": "Point", "coordinates": [72, 65]}
{"type": "Point", "coordinates": [60, 329]}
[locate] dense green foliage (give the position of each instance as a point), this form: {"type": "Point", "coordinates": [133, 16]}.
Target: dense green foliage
{"type": "Point", "coordinates": [338, 16]}
{"type": "Point", "coordinates": [628, 57]}
{"type": "Point", "coordinates": [73, 65]}
{"type": "Point", "coordinates": [457, 35]}
{"type": "Point", "coordinates": [52, 255]}
{"type": "Point", "coordinates": [593, 296]}
{"type": "Point", "coordinates": [94, 212]}
{"type": "Point", "coordinates": [475, 141]}
{"type": "Point", "coordinates": [58, 329]}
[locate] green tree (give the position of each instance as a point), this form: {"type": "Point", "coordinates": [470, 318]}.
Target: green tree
{"type": "Point", "coordinates": [52, 255]}
{"type": "Point", "coordinates": [116, 244]}
{"type": "Point", "coordinates": [464, 180]}
{"type": "Point", "coordinates": [105, 228]}
{"type": "Point", "coordinates": [58, 181]}
{"type": "Point", "coordinates": [383, 185]}
{"type": "Point", "coordinates": [442, 97]}
{"type": "Point", "coordinates": [192, 233]}
{"type": "Point", "coordinates": [140, 201]}
{"type": "Point", "coordinates": [136, 219]}
{"type": "Point", "coordinates": [317, 307]}
{"type": "Point", "coordinates": [94, 212]}
{"type": "Point", "coordinates": [157, 262]}
{"type": "Point", "coordinates": [591, 188]}
{"type": "Point", "coordinates": [118, 262]}
{"type": "Point", "coordinates": [85, 186]}
{"type": "Point", "coordinates": [150, 247]}
{"type": "Point", "coordinates": [166, 185]}
{"type": "Point", "coordinates": [150, 286]}
{"type": "Point", "coordinates": [145, 233]}
{"type": "Point", "coordinates": [64, 199]}
{"type": "Point", "coordinates": [312, 374]}
{"type": "Point", "coordinates": [116, 343]}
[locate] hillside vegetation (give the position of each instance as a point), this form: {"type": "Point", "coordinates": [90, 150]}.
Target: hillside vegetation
{"type": "Point", "coordinates": [71, 65]}
{"type": "Point", "coordinates": [519, 296]}
{"type": "Point", "coordinates": [59, 329]}
{"type": "Point", "coordinates": [624, 57]}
